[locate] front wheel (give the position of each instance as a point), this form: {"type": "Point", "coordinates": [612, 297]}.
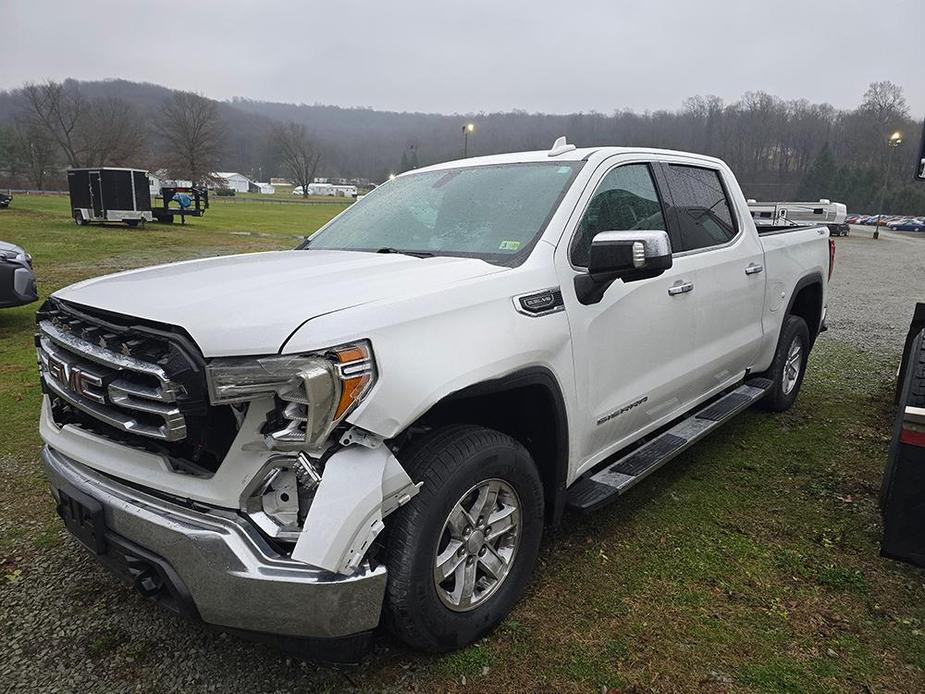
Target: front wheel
{"type": "Point", "coordinates": [789, 365]}
{"type": "Point", "coordinates": [461, 553]}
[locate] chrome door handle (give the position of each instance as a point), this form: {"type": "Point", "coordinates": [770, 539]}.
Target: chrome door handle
{"type": "Point", "coordinates": [682, 288]}
{"type": "Point", "coordinates": [754, 269]}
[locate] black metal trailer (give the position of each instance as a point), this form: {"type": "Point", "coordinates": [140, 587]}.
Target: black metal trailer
{"type": "Point", "coordinates": [109, 194]}
{"type": "Point", "coordinates": [189, 201]}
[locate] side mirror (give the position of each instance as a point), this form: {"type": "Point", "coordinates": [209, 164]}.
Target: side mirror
{"type": "Point", "coordinates": [627, 255]}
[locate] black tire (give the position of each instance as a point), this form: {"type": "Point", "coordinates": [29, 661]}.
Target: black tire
{"type": "Point", "coordinates": [132, 222]}
{"type": "Point", "coordinates": [79, 219]}
{"type": "Point", "coordinates": [449, 462]}
{"type": "Point", "coordinates": [779, 398]}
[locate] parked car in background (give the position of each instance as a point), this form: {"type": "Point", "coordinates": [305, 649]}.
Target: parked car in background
{"type": "Point", "coordinates": [5, 200]}
{"type": "Point", "coordinates": [17, 281]}
{"type": "Point", "coordinates": [852, 218]}
{"type": "Point", "coordinates": [908, 225]}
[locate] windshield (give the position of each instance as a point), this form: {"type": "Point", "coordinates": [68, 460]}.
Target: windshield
{"type": "Point", "coordinates": [491, 212]}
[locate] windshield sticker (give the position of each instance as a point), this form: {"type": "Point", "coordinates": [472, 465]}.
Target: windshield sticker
{"type": "Point", "coordinates": [509, 246]}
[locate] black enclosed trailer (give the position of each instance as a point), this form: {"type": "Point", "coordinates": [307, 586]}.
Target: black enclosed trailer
{"type": "Point", "coordinates": [108, 194]}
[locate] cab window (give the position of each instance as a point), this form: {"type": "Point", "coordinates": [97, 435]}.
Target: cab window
{"type": "Point", "coordinates": [625, 199]}
{"type": "Point", "coordinates": [700, 207]}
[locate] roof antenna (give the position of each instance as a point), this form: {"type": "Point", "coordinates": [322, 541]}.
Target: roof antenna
{"type": "Point", "coordinates": [560, 146]}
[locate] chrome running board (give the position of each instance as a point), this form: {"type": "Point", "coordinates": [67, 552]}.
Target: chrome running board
{"type": "Point", "coordinates": [602, 487]}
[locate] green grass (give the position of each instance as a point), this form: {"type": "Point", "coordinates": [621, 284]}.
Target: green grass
{"type": "Point", "coordinates": [749, 564]}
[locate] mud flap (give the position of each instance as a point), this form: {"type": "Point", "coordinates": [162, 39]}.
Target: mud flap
{"type": "Point", "coordinates": [358, 488]}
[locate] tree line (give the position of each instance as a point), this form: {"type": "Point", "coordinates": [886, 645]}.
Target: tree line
{"type": "Point", "coordinates": [779, 149]}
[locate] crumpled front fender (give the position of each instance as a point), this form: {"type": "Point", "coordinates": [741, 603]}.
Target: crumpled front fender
{"type": "Point", "coordinates": [359, 487]}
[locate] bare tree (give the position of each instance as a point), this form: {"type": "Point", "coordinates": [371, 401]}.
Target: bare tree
{"type": "Point", "coordinates": [298, 153]}
{"type": "Point", "coordinates": [88, 132]}
{"type": "Point", "coordinates": [193, 136]}
{"type": "Point", "coordinates": [885, 105]}
{"type": "Point", "coordinates": [885, 102]}
{"type": "Point", "coordinates": [114, 134]}
{"type": "Point", "coordinates": [57, 110]}
{"type": "Point", "coordinates": [33, 152]}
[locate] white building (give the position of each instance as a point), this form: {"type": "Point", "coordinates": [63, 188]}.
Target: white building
{"type": "Point", "coordinates": [233, 180]}
{"type": "Point", "coordinates": [262, 188]}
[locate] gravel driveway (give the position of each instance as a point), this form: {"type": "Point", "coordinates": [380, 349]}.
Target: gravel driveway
{"type": "Point", "coordinates": [875, 287]}
{"type": "Point", "coordinates": [69, 627]}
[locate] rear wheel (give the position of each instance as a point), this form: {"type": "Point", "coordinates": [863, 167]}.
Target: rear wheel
{"type": "Point", "coordinates": [132, 222]}
{"type": "Point", "coordinates": [463, 550]}
{"type": "Point", "coordinates": [79, 219]}
{"type": "Point", "coordinates": [789, 365]}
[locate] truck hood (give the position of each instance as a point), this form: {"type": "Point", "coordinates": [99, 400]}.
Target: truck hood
{"type": "Point", "coordinates": [250, 304]}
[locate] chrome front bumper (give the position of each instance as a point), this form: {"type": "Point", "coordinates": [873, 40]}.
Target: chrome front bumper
{"type": "Point", "coordinates": [230, 574]}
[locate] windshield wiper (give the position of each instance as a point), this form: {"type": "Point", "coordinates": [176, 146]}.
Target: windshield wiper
{"type": "Point", "coordinates": [415, 254]}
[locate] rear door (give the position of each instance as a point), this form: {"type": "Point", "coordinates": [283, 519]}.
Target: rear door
{"type": "Point", "coordinates": [632, 350]}
{"type": "Point", "coordinates": [728, 263]}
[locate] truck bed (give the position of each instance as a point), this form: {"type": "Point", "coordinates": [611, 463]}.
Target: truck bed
{"type": "Point", "coordinates": [771, 229]}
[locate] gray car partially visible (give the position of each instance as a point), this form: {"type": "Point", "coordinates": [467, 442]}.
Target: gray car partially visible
{"type": "Point", "coordinates": [17, 280]}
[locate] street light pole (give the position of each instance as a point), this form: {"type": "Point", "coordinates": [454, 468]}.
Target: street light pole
{"type": "Point", "coordinates": [467, 128]}
{"type": "Point", "coordinates": [896, 139]}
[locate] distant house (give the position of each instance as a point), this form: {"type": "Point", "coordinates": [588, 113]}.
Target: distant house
{"type": "Point", "coordinates": [233, 180]}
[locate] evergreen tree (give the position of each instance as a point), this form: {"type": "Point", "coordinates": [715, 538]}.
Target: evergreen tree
{"type": "Point", "coordinates": [404, 166]}
{"type": "Point", "coordinates": [819, 180]}
{"type": "Point", "coordinates": [413, 158]}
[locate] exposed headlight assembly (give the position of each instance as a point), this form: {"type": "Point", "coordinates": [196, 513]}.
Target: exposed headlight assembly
{"type": "Point", "coordinates": [314, 391]}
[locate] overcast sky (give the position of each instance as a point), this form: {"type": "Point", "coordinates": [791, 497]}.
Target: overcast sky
{"type": "Point", "coordinates": [476, 55]}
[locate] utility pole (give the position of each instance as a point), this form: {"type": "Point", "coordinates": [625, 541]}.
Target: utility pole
{"type": "Point", "coordinates": [895, 140]}
{"type": "Point", "coordinates": [467, 128]}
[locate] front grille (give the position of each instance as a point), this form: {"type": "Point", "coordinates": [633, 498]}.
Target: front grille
{"type": "Point", "coordinates": [122, 391]}
{"type": "Point", "coordinates": [136, 384]}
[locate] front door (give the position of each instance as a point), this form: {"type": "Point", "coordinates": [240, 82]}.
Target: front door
{"type": "Point", "coordinates": [633, 350]}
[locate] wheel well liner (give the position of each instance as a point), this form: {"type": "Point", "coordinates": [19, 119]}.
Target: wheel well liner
{"type": "Point", "coordinates": [528, 406]}
{"type": "Point", "coordinates": [806, 302]}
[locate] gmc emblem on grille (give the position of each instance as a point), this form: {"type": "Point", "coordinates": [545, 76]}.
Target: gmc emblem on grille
{"type": "Point", "coordinates": [75, 379]}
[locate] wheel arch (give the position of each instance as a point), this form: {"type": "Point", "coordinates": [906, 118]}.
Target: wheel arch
{"type": "Point", "coordinates": [806, 302]}
{"type": "Point", "coordinates": [527, 405]}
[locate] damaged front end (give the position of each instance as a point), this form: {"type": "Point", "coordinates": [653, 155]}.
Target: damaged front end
{"type": "Point", "coordinates": [233, 488]}
{"type": "Point", "coordinates": [322, 498]}
{"type": "Point", "coordinates": [328, 514]}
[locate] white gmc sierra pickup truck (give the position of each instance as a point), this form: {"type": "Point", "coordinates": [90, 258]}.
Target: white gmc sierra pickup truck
{"type": "Point", "coordinates": [378, 425]}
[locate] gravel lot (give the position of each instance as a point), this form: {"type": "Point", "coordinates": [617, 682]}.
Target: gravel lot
{"type": "Point", "coordinates": [875, 287]}
{"type": "Point", "coordinates": [68, 626]}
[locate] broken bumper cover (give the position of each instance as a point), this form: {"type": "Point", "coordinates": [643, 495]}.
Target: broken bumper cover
{"type": "Point", "coordinates": [219, 563]}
